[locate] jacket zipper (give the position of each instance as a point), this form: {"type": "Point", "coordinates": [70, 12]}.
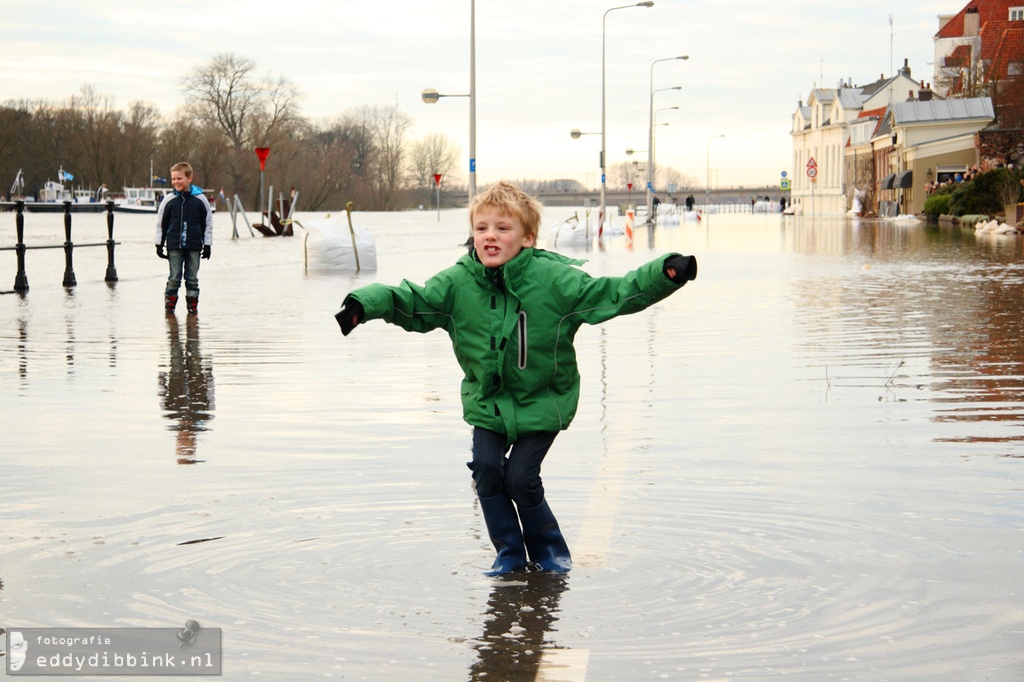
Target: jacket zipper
{"type": "Point", "coordinates": [184, 224]}
{"type": "Point", "coordinates": [522, 340]}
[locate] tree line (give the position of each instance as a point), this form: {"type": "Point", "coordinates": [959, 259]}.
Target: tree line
{"type": "Point", "coordinates": [364, 155]}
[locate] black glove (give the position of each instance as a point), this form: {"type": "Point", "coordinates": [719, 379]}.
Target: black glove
{"type": "Point", "coordinates": [160, 251]}
{"type": "Point", "coordinates": [685, 267]}
{"type": "Point", "coordinates": [351, 314]}
{"type": "Point", "coordinates": [206, 251]}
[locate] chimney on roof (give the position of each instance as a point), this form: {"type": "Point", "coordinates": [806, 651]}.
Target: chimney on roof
{"type": "Point", "coordinates": [910, 95]}
{"type": "Point", "coordinates": [906, 68]}
{"type": "Point", "coordinates": [972, 22]}
{"type": "Point", "coordinates": [925, 93]}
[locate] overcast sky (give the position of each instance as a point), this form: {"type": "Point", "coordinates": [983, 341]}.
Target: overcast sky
{"type": "Point", "coordinates": [538, 68]}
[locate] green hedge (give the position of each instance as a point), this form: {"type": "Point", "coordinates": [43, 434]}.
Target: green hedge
{"type": "Point", "coordinates": [936, 204]}
{"type": "Point", "coordinates": [980, 195]}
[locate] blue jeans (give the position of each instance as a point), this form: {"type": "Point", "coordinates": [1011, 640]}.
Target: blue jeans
{"type": "Point", "coordinates": [186, 262]}
{"type": "Point", "coordinates": [518, 475]}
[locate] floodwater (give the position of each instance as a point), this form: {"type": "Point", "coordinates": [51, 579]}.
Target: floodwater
{"type": "Point", "coordinates": [807, 464]}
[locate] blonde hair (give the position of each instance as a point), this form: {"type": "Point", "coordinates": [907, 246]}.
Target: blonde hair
{"type": "Point", "coordinates": [183, 167]}
{"type": "Point", "coordinates": [511, 200]}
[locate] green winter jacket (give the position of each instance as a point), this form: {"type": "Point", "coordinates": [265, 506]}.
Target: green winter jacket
{"type": "Point", "coordinates": [512, 329]}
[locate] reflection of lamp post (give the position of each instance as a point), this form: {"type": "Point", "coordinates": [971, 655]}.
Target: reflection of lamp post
{"type": "Point", "coordinates": [431, 96]}
{"type": "Point", "coordinates": [604, 131]}
{"type": "Point", "coordinates": [707, 200]}
{"type": "Point", "coordinates": [650, 139]}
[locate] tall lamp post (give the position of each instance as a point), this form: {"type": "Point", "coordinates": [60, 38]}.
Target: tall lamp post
{"type": "Point", "coordinates": [707, 199]}
{"type": "Point", "coordinates": [430, 96]}
{"type": "Point", "coordinates": [604, 130]}
{"type": "Point", "coordinates": [652, 160]}
{"type": "Point", "coordinates": [650, 138]}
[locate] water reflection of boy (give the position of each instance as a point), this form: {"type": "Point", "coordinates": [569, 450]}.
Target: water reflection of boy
{"type": "Point", "coordinates": [498, 302]}
{"type": "Point", "coordinates": [186, 388]}
{"type": "Point", "coordinates": [519, 616]}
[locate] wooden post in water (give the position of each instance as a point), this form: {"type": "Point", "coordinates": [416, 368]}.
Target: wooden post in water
{"type": "Point", "coordinates": [111, 270]}
{"type": "Point", "coordinates": [21, 279]}
{"type": "Point", "coordinates": [69, 247]}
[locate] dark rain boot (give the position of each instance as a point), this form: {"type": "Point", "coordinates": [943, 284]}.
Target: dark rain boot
{"type": "Point", "coordinates": [544, 540]}
{"type": "Point", "coordinates": [193, 304]}
{"type": "Point", "coordinates": [170, 301]}
{"type": "Point", "coordinates": [506, 536]}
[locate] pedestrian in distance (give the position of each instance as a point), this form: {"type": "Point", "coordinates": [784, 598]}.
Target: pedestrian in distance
{"type": "Point", "coordinates": [184, 226]}
{"type": "Point", "coordinates": [512, 311]}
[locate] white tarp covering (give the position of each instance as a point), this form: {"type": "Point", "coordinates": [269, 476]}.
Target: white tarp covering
{"type": "Point", "coordinates": [328, 245]}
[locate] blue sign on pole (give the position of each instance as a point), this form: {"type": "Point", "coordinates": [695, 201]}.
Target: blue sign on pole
{"type": "Point", "coordinates": [784, 174]}
{"type": "Point", "coordinates": [472, 165]}
{"type": "Point", "coordinates": [650, 186]}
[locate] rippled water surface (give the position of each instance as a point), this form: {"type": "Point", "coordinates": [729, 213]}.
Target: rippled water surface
{"type": "Point", "coordinates": [806, 464]}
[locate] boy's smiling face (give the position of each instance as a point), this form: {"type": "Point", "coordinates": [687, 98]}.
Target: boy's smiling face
{"type": "Point", "coordinates": [180, 181]}
{"type": "Point", "coordinates": [498, 237]}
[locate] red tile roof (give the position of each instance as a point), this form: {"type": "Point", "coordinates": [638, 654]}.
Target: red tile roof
{"type": "Point", "coordinates": [868, 113]}
{"type": "Point", "coordinates": [1009, 49]}
{"type": "Point", "coordinates": [1001, 40]}
{"type": "Point", "coordinates": [988, 10]}
{"type": "Point", "coordinates": [960, 56]}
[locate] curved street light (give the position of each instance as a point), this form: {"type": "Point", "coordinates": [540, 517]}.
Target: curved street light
{"type": "Point", "coordinates": [604, 131]}
{"type": "Point", "coordinates": [650, 139]}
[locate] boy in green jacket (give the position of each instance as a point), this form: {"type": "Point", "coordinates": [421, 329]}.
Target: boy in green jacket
{"type": "Point", "coordinates": [512, 312]}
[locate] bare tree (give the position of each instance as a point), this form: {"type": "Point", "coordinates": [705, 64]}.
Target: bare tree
{"type": "Point", "coordinates": [247, 111]}
{"type": "Point", "coordinates": [432, 154]}
{"type": "Point", "coordinates": [623, 173]}
{"type": "Point", "coordinates": [378, 137]}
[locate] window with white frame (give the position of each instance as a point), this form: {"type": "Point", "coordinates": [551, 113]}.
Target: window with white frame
{"type": "Point", "coordinates": [1017, 14]}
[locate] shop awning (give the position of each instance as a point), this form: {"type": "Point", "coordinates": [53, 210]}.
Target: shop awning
{"type": "Point", "coordinates": [903, 180]}
{"type": "Point", "coordinates": [887, 181]}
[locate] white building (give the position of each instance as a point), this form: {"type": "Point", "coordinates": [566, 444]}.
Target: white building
{"type": "Point", "coordinates": [821, 136]}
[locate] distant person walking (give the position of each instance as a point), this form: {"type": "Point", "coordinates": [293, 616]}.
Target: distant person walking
{"type": "Point", "coordinates": [184, 225]}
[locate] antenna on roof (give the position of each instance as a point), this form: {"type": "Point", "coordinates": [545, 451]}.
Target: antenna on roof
{"type": "Point", "coordinates": [891, 73]}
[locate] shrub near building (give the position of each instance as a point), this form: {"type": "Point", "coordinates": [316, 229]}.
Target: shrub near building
{"type": "Point", "coordinates": [986, 193]}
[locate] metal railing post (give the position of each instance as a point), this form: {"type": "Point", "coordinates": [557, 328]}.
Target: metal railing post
{"type": "Point", "coordinates": [69, 247]}
{"type": "Point", "coordinates": [111, 270]}
{"type": "Point", "coordinates": [21, 279]}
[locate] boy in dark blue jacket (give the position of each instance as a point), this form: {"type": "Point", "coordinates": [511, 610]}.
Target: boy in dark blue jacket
{"type": "Point", "coordinates": [184, 223]}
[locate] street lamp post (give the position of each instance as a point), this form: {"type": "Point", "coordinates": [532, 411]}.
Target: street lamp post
{"type": "Point", "coordinates": [430, 96]}
{"type": "Point", "coordinates": [650, 139]}
{"type": "Point", "coordinates": [604, 130]}
{"type": "Point", "coordinates": [651, 161]}
{"type": "Point", "coordinates": [707, 199]}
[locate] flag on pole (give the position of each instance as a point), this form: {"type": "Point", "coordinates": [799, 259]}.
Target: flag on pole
{"type": "Point", "coordinates": [64, 176]}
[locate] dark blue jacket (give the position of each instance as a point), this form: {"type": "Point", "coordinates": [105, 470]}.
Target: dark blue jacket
{"type": "Point", "coordinates": [185, 221]}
